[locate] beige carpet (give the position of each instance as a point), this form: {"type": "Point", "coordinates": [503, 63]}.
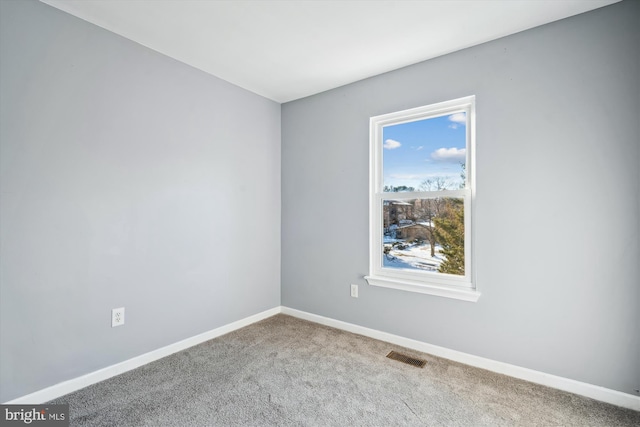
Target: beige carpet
{"type": "Point", "coordinates": [285, 371]}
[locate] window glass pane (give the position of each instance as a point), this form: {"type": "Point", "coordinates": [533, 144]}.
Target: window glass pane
{"type": "Point", "coordinates": [430, 150]}
{"type": "Point", "coordinates": [424, 234]}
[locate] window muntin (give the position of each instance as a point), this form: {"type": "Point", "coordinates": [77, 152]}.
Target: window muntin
{"type": "Point", "coordinates": [421, 195]}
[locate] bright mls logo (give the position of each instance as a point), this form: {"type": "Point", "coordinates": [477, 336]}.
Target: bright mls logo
{"type": "Point", "coordinates": [36, 415]}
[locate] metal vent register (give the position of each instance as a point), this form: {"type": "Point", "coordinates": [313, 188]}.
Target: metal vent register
{"type": "Point", "coordinates": [407, 359]}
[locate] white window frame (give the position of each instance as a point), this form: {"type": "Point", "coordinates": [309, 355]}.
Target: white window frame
{"type": "Point", "coordinates": [440, 284]}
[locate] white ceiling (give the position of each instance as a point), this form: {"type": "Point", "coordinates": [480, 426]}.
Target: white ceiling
{"type": "Point", "coordinates": [285, 50]}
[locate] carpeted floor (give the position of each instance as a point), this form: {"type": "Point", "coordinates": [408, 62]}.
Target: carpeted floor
{"type": "Point", "coordinates": [285, 371]}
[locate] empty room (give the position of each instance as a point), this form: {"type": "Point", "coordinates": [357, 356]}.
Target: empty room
{"type": "Point", "coordinates": [320, 213]}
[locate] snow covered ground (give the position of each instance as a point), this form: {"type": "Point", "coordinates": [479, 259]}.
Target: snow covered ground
{"type": "Point", "coordinates": [413, 256]}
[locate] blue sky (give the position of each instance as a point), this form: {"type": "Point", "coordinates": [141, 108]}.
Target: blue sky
{"type": "Point", "coordinates": [416, 151]}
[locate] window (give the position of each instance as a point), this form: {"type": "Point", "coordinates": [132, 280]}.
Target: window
{"type": "Point", "coordinates": [421, 194]}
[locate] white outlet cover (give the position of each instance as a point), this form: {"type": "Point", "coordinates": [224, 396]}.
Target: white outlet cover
{"type": "Point", "coordinates": [117, 317]}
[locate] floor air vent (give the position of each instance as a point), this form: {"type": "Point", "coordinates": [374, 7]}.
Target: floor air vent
{"type": "Point", "coordinates": [406, 359]}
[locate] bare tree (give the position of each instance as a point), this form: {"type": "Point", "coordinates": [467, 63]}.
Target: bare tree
{"type": "Point", "coordinates": [429, 209]}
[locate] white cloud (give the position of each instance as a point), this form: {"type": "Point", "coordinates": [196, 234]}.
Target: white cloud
{"type": "Point", "coordinates": [458, 119]}
{"type": "Point", "coordinates": [409, 176]}
{"type": "Point", "coordinates": [419, 148]}
{"type": "Point", "coordinates": [390, 144]}
{"type": "Point", "coordinates": [452, 154]}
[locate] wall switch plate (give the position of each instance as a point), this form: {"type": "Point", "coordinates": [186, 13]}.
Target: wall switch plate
{"type": "Point", "coordinates": [117, 317]}
{"type": "Point", "coordinates": [354, 291]}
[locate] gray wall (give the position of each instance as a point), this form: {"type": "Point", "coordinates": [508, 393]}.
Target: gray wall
{"type": "Point", "coordinates": [128, 179]}
{"type": "Point", "coordinates": [557, 200]}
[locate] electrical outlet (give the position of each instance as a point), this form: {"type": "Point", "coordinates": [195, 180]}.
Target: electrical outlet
{"type": "Point", "coordinates": [117, 317]}
{"type": "Point", "coordinates": [354, 291]}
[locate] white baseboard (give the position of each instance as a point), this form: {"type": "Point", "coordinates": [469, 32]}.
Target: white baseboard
{"type": "Point", "coordinates": [72, 385]}
{"type": "Point", "coordinates": [584, 389]}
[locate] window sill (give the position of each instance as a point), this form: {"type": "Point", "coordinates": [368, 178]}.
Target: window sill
{"type": "Point", "coordinates": [464, 294]}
